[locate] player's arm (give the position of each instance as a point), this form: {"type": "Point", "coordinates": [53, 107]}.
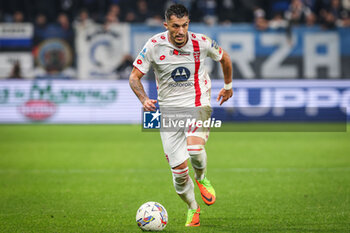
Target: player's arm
{"type": "Point", "coordinates": [136, 85]}
{"type": "Point", "coordinates": [226, 65]}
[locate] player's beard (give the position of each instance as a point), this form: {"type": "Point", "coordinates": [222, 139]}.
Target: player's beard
{"type": "Point", "coordinates": [179, 44]}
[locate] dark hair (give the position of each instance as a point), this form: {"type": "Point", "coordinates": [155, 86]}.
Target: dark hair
{"type": "Point", "coordinates": [178, 10]}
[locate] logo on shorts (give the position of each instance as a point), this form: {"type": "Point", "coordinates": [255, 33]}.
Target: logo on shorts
{"type": "Point", "coordinates": [181, 74]}
{"type": "Point", "coordinates": [152, 120]}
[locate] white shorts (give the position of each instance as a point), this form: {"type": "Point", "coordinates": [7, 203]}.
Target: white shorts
{"type": "Point", "coordinates": [175, 143]}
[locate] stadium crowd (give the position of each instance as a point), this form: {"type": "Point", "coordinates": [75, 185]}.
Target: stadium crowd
{"type": "Point", "coordinates": [62, 18]}
{"type": "Point", "coordinates": [265, 13]}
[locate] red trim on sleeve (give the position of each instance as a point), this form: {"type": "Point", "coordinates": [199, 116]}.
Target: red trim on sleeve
{"type": "Point", "coordinates": [197, 63]}
{"type": "Point", "coordinates": [139, 70]}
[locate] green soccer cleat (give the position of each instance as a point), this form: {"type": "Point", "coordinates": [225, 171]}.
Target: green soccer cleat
{"type": "Point", "coordinates": [193, 218]}
{"type": "Point", "coordinates": [207, 191]}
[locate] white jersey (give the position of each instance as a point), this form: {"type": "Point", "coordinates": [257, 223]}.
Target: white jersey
{"type": "Point", "coordinates": [182, 80]}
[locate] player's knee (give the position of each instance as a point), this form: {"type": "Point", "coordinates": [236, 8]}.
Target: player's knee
{"type": "Point", "coordinates": [198, 156]}
{"type": "Point", "coordinates": [194, 150]}
{"type": "Point", "coordinates": [180, 176]}
{"type": "Point", "coordinates": [180, 179]}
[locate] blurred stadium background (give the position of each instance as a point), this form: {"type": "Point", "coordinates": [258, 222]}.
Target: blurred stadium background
{"type": "Point", "coordinates": [73, 157]}
{"type": "Point", "coordinates": [67, 61]}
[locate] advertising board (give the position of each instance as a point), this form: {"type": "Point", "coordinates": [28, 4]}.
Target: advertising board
{"type": "Point", "coordinates": [60, 102]}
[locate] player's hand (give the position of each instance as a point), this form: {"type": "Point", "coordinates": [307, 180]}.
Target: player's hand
{"type": "Point", "coordinates": [149, 105]}
{"type": "Point", "coordinates": [224, 95]}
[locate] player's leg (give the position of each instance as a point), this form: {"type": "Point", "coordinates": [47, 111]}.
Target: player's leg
{"type": "Point", "coordinates": [196, 139]}
{"type": "Point", "coordinates": [185, 189]}
{"type": "Point", "coordinates": [174, 145]}
{"type": "Point", "coordinates": [183, 185]}
{"type": "Point", "coordinates": [198, 157]}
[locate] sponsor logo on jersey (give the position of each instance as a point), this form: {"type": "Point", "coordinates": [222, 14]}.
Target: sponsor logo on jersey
{"type": "Point", "coordinates": [181, 84]}
{"type": "Point", "coordinates": [179, 53]}
{"type": "Point", "coordinates": [139, 61]}
{"type": "Point", "coordinates": [162, 58]}
{"type": "Point", "coordinates": [180, 74]}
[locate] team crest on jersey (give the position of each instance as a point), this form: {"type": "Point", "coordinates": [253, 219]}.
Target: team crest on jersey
{"type": "Point", "coordinates": [180, 74]}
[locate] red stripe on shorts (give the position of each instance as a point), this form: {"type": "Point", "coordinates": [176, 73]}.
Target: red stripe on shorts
{"type": "Point", "coordinates": [189, 128]}
{"type": "Point", "coordinates": [195, 129]}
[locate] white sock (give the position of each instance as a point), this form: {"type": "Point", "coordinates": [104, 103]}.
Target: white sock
{"type": "Point", "coordinates": [184, 187]}
{"type": "Point", "coordinates": [198, 158]}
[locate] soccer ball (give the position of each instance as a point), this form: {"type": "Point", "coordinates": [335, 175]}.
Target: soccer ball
{"type": "Point", "coordinates": [151, 216]}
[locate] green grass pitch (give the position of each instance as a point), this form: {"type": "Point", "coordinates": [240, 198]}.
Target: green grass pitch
{"type": "Point", "coordinates": [93, 178]}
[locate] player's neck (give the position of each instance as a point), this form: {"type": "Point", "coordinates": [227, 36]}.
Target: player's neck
{"type": "Point", "coordinates": [176, 44]}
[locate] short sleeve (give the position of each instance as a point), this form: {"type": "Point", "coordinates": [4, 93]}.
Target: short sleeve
{"type": "Point", "coordinates": [215, 52]}
{"type": "Point", "coordinates": [143, 60]}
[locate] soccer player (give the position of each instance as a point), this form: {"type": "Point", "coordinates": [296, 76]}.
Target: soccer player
{"type": "Point", "coordinates": [177, 57]}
